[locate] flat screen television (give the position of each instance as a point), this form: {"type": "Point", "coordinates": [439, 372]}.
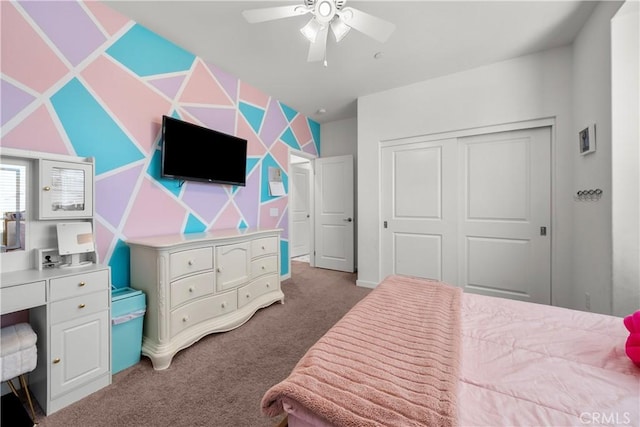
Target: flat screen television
{"type": "Point", "coordinates": [195, 153]}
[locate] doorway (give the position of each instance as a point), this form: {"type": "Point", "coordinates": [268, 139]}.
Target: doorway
{"type": "Point", "coordinates": [321, 203]}
{"type": "Point", "coordinates": [301, 202]}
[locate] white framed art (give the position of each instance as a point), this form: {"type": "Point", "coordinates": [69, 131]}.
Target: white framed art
{"type": "Point", "coordinates": [587, 140]}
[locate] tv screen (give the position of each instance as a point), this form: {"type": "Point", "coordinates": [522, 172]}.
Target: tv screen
{"type": "Point", "coordinates": [195, 153]}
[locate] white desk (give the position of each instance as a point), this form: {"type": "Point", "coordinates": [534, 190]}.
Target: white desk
{"type": "Point", "coordinates": [69, 310]}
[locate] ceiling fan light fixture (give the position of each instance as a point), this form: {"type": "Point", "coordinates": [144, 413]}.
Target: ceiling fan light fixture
{"type": "Point", "coordinates": [311, 30]}
{"type": "Point", "coordinates": [339, 29]}
{"type": "Point", "coordinates": [324, 11]}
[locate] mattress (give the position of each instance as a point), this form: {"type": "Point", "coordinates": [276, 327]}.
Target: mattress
{"type": "Point", "coordinates": [531, 364]}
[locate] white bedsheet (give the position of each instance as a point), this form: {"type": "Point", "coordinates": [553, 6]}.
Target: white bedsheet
{"type": "Point", "coordinates": [527, 364]}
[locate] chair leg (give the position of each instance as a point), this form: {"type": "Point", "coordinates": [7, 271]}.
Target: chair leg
{"type": "Point", "coordinates": [26, 390]}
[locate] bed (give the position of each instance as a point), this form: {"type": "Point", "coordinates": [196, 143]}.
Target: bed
{"type": "Point", "coordinates": [416, 352]}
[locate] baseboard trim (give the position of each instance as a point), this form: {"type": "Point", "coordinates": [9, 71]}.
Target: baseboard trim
{"type": "Point", "coordinates": [366, 284]}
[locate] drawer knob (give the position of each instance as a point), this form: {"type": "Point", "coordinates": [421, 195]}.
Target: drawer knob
{"type": "Point", "coordinates": [263, 267]}
{"type": "Point", "coordinates": [47, 188]}
{"type": "Point", "coordinates": [190, 262]}
{"type": "Point", "coordinates": [81, 306]}
{"type": "Point", "coordinates": [81, 284]}
{"type": "Point", "coordinates": [191, 289]}
{"type": "Point", "coordinates": [219, 269]}
{"type": "Point", "coordinates": [185, 319]}
{"type": "Point", "coordinates": [263, 247]}
{"type": "Point", "coordinates": [223, 305]}
{"type": "Point", "coordinates": [248, 295]}
{"type": "Point", "coordinates": [268, 284]}
{"type": "Point", "coordinates": [56, 360]}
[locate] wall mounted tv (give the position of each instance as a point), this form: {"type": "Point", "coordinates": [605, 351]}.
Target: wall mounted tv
{"type": "Point", "coordinates": [195, 153]}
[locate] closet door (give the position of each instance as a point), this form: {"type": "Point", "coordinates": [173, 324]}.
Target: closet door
{"type": "Point", "coordinates": [419, 214]}
{"type": "Point", "coordinates": [504, 246]}
{"type": "Point", "coordinates": [473, 212]}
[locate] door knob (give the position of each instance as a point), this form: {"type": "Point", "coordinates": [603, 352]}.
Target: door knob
{"type": "Point", "coordinates": [348, 219]}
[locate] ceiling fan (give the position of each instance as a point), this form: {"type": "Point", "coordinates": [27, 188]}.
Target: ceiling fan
{"type": "Point", "coordinates": [325, 14]}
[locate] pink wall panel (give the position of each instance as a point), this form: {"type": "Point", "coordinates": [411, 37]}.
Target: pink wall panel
{"type": "Point", "coordinates": [154, 212]}
{"type": "Point", "coordinates": [109, 19]}
{"type": "Point", "coordinates": [38, 133]}
{"type": "Point", "coordinates": [253, 96]}
{"type": "Point", "coordinates": [133, 102]}
{"type": "Point", "coordinates": [202, 88]}
{"type": "Point", "coordinates": [25, 57]}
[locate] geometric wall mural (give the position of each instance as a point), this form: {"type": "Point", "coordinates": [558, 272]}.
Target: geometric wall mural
{"type": "Point", "coordinates": [79, 78]}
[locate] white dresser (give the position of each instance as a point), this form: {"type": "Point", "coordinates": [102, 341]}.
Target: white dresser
{"type": "Point", "coordinates": [201, 283]}
{"type": "Point", "coordinates": [70, 314]}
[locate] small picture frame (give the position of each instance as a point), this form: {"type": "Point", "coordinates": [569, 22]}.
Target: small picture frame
{"type": "Point", "coordinates": [587, 140]}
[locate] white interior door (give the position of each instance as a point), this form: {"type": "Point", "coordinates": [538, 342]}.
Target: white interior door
{"type": "Point", "coordinates": [505, 213]}
{"type": "Point", "coordinates": [473, 212]}
{"type": "Point", "coordinates": [419, 210]}
{"type": "Point", "coordinates": [300, 209]}
{"type": "Point", "coordinates": [334, 221]}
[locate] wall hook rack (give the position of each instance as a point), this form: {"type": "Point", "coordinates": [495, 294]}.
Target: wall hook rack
{"type": "Point", "coordinates": [588, 195]}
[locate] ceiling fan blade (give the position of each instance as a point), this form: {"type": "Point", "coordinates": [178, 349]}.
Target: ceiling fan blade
{"type": "Point", "coordinates": [318, 49]}
{"type": "Point", "coordinates": [271, 13]}
{"type": "Point", "coordinates": [370, 25]}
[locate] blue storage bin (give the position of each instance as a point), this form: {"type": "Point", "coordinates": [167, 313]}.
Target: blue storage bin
{"type": "Point", "coordinates": [127, 314]}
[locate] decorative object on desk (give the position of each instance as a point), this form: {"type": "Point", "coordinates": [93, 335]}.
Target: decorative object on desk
{"type": "Point", "coordinates": [587, 139]}
{"type": "Point", "coordinates": [46, 258]}
{"type": "Point", "coordinates": [588, 195]}
{"type": "Point", "coordinates": [74, 238]}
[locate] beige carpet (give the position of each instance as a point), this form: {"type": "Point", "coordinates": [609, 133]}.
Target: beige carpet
{"type": "Point", "coordinates": [220, 380]}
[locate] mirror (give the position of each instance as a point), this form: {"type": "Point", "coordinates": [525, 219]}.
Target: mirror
{"type": "Point", "coordinates": [13, 207]}
{"type": "Point", "coordinates": [67, 189]}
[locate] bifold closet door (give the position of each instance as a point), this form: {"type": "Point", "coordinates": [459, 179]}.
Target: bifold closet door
{"type": "Point", "coordinates": [504, 230]}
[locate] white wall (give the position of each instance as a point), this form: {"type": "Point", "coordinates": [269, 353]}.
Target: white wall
{"type": "Point", "coordinates": [339, 138]}
{"type": "Point", "coordinates": [625, 41]}
{"type": "Point", "coordinates": [592, 104]}
{"type": "Point", "coordinates": [527, 88]}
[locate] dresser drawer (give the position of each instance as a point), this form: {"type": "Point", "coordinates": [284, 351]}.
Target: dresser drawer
{"type": "Point", "coordinates": [264, 265]}
{"type": "Point", "coordinates": [264, 246]}
{"type": "Point", "coordinates": [191, 261]}
{"type": "Point", "coordinates": [79, 284]}
{"type": "Point", "coordinates": [203, 309]}
{"type": "Point", "coordinates": [20, 297]}
{"type": "Point", "coordinates": [79, 306]}
{"type": "Point", "coordinates": [191, 288]}
{"type": "Point", "coordinates": [258, 287]}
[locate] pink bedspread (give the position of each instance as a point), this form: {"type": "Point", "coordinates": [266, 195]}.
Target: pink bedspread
{"type": "Point", "coordinates": [392, 360]}
{"type": "Point", "coordinates": [531, 364]}
{"type": "Point", "coordinates": [527, 364]}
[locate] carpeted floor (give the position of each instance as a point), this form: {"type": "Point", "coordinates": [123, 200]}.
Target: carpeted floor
{"type": "Point", "coordinates": [220, 380]}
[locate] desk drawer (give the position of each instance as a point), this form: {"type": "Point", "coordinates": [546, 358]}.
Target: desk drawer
{"type": "Point", "coordinates": [79, 306]}
{"type": "Point", "coordinates": [79, 284]}
{"type": "Point", "coordinates": [191, 261]}
{"type": "Point", "coordinates": [20, 297]}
